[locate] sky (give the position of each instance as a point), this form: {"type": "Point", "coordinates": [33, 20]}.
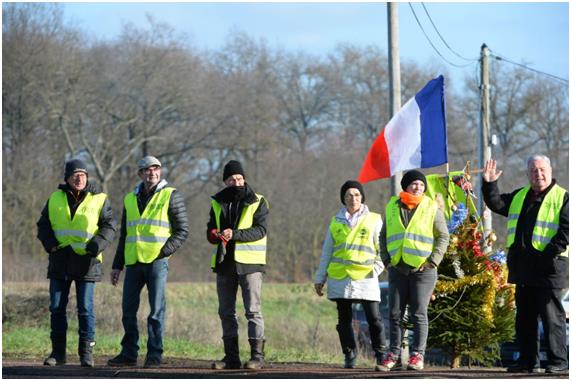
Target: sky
{"type": "Point", "coordinates": [535, 34]}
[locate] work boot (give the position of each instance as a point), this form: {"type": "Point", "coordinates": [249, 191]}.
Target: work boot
{"type": "Point", "coordinates": [348, 345]}
{"type": "Point", "coordinates": [256, 360]}
{"type": "Point", "coordinates": [231, 358]}
{"type": "Point", "coordinates": [85, 351]}
{"type": "Point", "coordinates": [58, 356]}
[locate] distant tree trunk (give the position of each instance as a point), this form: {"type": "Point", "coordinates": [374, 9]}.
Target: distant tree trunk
{"type": "Point", "coordinates": [456, 359]}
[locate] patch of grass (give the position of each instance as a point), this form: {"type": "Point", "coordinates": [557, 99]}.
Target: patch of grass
{"type": "Point", "coordinates": [300, 326]}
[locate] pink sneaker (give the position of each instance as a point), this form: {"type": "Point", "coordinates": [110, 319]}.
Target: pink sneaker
{"type": "Point", "coordinates": [389, 362]}
{"type": "Point", "coordinates": [415, 361]}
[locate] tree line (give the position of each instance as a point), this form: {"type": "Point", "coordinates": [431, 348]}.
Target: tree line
{"type": "Point", "coordinates": [301, 125]}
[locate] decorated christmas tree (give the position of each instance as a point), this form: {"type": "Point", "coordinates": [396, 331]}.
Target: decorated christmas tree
{"type": "Point", "coordinates": [472, 310]}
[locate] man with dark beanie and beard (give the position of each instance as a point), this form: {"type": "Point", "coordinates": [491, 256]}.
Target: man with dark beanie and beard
{"type": "Point", "coordinates": [238, 228]}
{"type": "Point", "coordinates": [75, 226]}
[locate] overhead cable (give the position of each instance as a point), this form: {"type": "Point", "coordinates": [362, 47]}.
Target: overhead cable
{"type": "Point", "coordinates": [430, 42]}
{"type": "Point", "coordinates": [442, 38]}
{"type": "Point", "coordinates": [530, 68]}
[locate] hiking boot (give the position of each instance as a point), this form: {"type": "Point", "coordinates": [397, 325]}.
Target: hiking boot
{"type": "Point", "coordinates": [415, 361]}
{"type": "Point", "coordinates": [58, 356]}
{"type": "Point", "coordinates": [388, 363]}
{"type": "Point", "coordinates": [256, 360]}
{"type": "Point", "coordinates": [350, 359]}
{"type": "Point", "coordinates": [121, 360]}
{"type": "Point", "coordinates": [85, 351]}
{"type": "Point", "coordinates": [231, 358]}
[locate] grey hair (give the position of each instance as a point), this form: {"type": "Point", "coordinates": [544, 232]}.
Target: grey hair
{"type": "Point", "coordinates": [533, 158]}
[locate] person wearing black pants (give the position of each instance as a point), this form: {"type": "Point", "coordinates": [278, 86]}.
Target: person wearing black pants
{"type": "Point", "coordinates": [350, 263]}
{"type": "Point", "coordinates": [538, 260]}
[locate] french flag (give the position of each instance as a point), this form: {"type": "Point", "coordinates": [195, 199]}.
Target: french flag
{"type": "Point", "coordinates": [415, 137]}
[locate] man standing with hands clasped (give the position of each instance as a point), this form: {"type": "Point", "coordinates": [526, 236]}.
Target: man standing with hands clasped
{"type": "Point", "coordinates": [238, 226]}
{"type": "Point", "coordinates": [538, 259]}
{"type": "Point", "coordinates": [153, 227]}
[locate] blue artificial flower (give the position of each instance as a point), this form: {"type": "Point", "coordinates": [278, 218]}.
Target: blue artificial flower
{"type": "Point", "coordinates": [499, 256]}
{"type": "Point", "coordinates": [458, 217]}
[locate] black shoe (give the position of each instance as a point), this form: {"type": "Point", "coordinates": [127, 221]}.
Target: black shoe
{"type": "Point", "coordinates": [152, 362]}
{"type": "Point", "coordinates": [121, 360]}
{"type": "Point", "coordinates": [557, 369]}
{"type": "Point", "coordinates": [224, 364]}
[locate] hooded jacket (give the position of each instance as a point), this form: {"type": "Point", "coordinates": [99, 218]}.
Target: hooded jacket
{"type": "Point", "coordinates": [64, 263]}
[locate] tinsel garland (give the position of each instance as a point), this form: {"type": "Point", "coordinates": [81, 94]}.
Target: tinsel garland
{"type": "Point", "coordinates": [484, 279]}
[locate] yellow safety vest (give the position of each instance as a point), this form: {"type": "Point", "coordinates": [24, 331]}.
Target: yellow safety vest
{"type": "Point", "coordinates": [415, 243]}
{"type": "Point", "coordinates": [79, 230]}
{"type": "Point", "coordinates": [147, 233]}
{"type": "Point", "coordinates": [547, 222]}
{"type": "Point", "coordinates": [244, 252]}
{"type": "Point", "coordinates": [354, 250]}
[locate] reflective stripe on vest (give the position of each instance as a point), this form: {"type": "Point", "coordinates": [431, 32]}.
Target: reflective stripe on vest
{"type": "Point", "coordinates": [414, 244]}
{"type": "Point", "coordinates": [147, 233]}
{"type": "Point", "coordinates": [354, 250]}
{"type": "Point", "coordinates": [76, 232]}
{"type": "Point", "coordinates": [244, 252]}
{"type": "Point", "coordinates": [547, 222]}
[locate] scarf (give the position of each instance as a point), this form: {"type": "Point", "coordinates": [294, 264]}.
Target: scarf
{"type": "Point", "coordinates": [409, 200]}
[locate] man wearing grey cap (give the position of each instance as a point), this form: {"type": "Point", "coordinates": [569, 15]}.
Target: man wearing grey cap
{"type": "Point", "coordinates": [153, 227]}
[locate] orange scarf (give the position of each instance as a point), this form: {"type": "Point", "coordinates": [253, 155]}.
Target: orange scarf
{"type": "Point", "coordinates": [409, 200]}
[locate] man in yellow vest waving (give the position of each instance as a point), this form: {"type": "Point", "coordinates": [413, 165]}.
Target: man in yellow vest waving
{"type": "Point", "coordinates": [538, 259]}
{"type": "Point", "coordinates": [238, 227]}
{"type": "Point", "coordinates": [75, 227]}
{"type": "Point", "coordinates": [153, 227]}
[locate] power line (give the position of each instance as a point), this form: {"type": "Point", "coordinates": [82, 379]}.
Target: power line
{"type": "Point", "coordinates": [530, 68]}
{"type": "Point", "coordinates": [430, 42]}
{"type": "Point", "coordinates": [442, 38]}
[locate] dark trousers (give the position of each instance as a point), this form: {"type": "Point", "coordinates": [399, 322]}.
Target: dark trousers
{"type": "Point", "coordinates": [545, 303]}
{"type": "Point", "coordinates": [374, 319]}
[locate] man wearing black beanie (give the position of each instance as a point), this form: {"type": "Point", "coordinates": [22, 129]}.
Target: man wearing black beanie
{"type": "Point", "coordinates": [75, 226]}
{"type": "Point", "coordinates": [238, 228]}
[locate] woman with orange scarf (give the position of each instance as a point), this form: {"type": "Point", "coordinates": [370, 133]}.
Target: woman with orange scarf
{"type": "Point", "coordinates": [413, 242]}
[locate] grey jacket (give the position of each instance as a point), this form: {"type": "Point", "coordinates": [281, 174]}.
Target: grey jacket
{"type": "Point", "coordinates": [441, 239]}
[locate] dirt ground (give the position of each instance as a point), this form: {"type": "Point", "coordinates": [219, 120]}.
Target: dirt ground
{"type": "Point", "coordinates": [184, 368]}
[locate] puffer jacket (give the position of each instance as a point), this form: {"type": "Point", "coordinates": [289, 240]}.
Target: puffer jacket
{"type": "Point", "coordinates": [64, 263]}
{"type": "Point", "coordinates": [528, 266]}
{"type": "Point", "coordinates": [177, 218]}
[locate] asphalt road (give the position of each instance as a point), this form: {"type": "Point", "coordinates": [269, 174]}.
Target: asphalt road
{"type": "Point", "coordinates": [183, 368]}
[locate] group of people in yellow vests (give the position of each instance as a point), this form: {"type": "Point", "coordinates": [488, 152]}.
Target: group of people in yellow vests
{"type": "Point", "coordinates": [77, 225]}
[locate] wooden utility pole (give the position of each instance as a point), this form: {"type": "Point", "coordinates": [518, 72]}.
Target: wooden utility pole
{"type": "Point", "coordinates": [394, 76]}
{"type": "Point", "coordinates": [485, 150]}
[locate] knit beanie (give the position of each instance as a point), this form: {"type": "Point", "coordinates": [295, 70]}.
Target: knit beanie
{"type": "Point", "coordinates": [233, 167]}
{"type": "Point", "coordinates": [411, 176]}
{"type": "Point", "coordinates": [352, 184]}
{"type": "Point", "coordinates": [73, 166]}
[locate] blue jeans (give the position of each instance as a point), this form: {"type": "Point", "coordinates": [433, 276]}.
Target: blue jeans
{"type": "Point", "coordinates": [154, 276]}
{"type": "Point", "coordinates": [59, 296]}
{"type": "Point", "coordinates": [413, 289]}
{"type": "Point", "coordinates": [227, 289]}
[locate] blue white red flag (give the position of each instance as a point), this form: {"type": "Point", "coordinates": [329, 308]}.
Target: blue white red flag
{"type": "Point", "coordinates": [415, 137]}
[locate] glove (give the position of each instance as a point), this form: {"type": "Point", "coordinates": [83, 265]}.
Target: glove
{"type": "Point", "coordinates": [213, 236]}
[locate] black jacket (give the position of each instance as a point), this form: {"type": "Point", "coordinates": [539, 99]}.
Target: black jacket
{"type": "Point", "coordinates": [65, 263]}
{"type": "Point", "coordinates": [528, 266]}
{"type": "Point", "coordinates": [257, 231]}
{"type": "Point", "coordinates": [177, 219]}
